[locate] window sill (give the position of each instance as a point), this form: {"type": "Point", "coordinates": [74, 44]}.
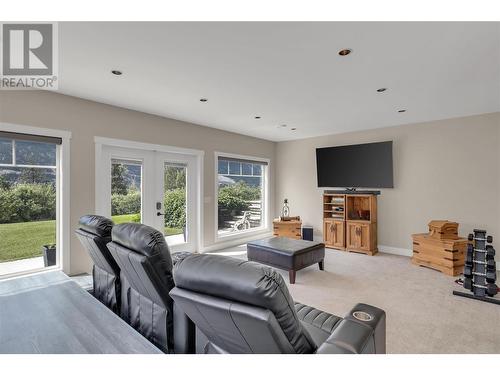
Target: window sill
{"type": "Point", "coordinates": [35, 271]}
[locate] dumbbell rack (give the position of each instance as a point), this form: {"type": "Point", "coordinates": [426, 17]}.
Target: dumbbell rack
{"type": "Point", "coordinates": [480, 272]}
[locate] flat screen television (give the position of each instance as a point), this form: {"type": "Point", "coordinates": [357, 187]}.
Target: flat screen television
{"type": "Point", "coordinates": [366, 165]}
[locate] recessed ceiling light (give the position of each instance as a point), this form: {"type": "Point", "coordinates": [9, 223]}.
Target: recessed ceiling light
{"type": "Point", "coordinates": [203, 100]}
{"type": "Point", "coordinates": [402, 110]}
{"type": "Point", "coordinates": [117, 72]}
{"type": "Point", "coordinates": [257, 117]}
{"type": "Point", "coordinates": [344, 52]}
{"type": "Point", "coordinates": [381, 89]}
{"type": "Point", "coordinates": [293, 129]}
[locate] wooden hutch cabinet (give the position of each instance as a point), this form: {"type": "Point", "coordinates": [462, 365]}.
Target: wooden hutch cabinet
{"type": "Point", "coordinates": [350, 221]}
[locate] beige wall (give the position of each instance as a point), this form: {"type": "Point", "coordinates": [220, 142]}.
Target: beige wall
{"type": "Point", "coordinates": [86, 119]}
{"type": "Point", "coordinates": [446, 169]}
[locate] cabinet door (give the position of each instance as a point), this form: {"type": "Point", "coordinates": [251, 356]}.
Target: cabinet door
{"type": "Point", "coordinates": [352, 236]}
{"type": "Point", "coordinates": [327, 233]}
{"type": "Point", "coordinates": [338, 233]}
{"type": "Point", "coordinates": [364, 236]}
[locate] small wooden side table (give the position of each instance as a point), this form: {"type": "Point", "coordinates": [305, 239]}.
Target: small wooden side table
{"type": "Point", "coordinates": [289, 228]}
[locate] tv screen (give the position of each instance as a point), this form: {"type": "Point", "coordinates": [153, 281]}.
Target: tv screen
{"type": "Point", "coordinates": [356, 166]}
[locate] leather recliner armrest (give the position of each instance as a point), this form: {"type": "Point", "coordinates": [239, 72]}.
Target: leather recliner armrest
{"type": "Point", "coordinates": [362, 331]}
{"type": "Point", "coordinates": [184, 333]}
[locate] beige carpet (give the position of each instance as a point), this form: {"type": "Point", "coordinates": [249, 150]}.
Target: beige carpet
{"type": "Point", "coordinates": [422, 314]}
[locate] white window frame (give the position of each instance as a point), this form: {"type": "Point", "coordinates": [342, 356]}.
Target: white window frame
{"type": "Point", "coordinates": [265, 228]}
{"type": "Point", "coordinates": [63, 254]}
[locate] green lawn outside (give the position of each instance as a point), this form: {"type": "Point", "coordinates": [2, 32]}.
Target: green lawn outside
{"type": "Point", "coordinates": [120, 219]}
{"type": "Point", "coordinates": [25, 240]}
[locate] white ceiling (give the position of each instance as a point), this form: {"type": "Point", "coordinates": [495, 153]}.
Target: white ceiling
{"type": "Point", "coordinates": [287, 73]}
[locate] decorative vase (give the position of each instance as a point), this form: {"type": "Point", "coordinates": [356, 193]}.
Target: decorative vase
{"type": "Point", "coordinates": [285, 211]}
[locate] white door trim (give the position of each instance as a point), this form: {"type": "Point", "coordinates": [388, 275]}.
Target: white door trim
{"type": "Point", "coordinates": [100, 142]}
{"type": "Point", "coordinates": [146, 146]}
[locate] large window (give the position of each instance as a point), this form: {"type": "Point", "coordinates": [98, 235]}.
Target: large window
{"type": "Point", "coordinates": [28, 202]}
{"type": "Point", "coordinates": [241, 198]}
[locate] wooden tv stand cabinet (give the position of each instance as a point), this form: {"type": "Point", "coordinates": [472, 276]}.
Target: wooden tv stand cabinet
{"type": "Point", "coordinates": [350, 220]}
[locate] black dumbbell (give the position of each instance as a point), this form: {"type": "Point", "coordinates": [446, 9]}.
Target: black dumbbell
{"type": "Point", "coordinates": [491, 264]}
{"type": "Point", "coordinates": [490, 251]}
{"type": "Point", "coordinates": [489, 239]}
{"type": "Point", "coordinates": [491, 289]}
{"type": "Point", "coordinates": [468, 271]}
{"type": "Point", "coordinates": [479, 234]}
{"type": "Point", "coordinates": [491, 276]}
{"type": "Point", "coordinates": [470, 237]}
{"type": "Point", "coordinates": [468, 283]}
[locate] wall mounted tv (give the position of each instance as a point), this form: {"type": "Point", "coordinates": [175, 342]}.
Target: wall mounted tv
{"type": "Point", "coordinates": [366, 165]}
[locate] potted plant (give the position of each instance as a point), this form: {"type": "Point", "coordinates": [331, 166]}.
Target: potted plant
{"type": "Point", "coordinates": [49, 255]}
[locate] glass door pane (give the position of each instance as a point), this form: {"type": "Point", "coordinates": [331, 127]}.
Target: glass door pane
{"type": "Point", "coordinates": [174, 202]}
{"type": "Point", "coordinates": [126, 191]}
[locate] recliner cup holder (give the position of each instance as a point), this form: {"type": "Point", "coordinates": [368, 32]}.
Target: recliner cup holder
{"type": "Point", "coordinates": [362, 316]}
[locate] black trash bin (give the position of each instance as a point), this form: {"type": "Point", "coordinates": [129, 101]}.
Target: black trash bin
{"type": "Point", "coordinates": [307, 233]}
{"type": "Point", "coordinates": [49, 255]}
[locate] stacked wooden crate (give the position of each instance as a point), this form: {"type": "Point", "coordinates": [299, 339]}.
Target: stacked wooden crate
{"type": "Point", "coordinates": [288, 228]}
{"type": "Point", "coordinates": [440, 249]}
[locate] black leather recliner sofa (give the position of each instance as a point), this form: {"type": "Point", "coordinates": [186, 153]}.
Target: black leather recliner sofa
{"type": "Point", "coordinates": [243, 307]}
{"type": "Point", "coordinates": [94, 233]}
{"type": "Point", "coordinates": [146, 265]}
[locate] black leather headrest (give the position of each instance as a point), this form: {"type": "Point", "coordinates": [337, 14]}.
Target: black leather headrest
{"type": "Point", "coordinates": [139, 238]}
{"type": "Point", "coordinates": [245, 282]}
{"type": "Point", "coordinates": [95, 224]}
{"type": "Point", "coordinates": [230, 278]}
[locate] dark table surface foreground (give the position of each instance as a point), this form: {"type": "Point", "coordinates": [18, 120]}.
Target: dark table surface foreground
{"type": "Point", "coordinates": [50, 313]}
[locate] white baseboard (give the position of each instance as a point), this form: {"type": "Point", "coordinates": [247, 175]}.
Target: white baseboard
{"type": "Point", "coordinates": [235, 242]}
{"type": "Point", "coordinates": [382, 248]}
{"type": "Point", "coordinates": [241, 241]}
{"type": "Point", "coordinates": [395, 250]}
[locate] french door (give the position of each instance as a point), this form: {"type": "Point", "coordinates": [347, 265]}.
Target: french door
{"type": "Point", "coordinates": [159, 189]}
